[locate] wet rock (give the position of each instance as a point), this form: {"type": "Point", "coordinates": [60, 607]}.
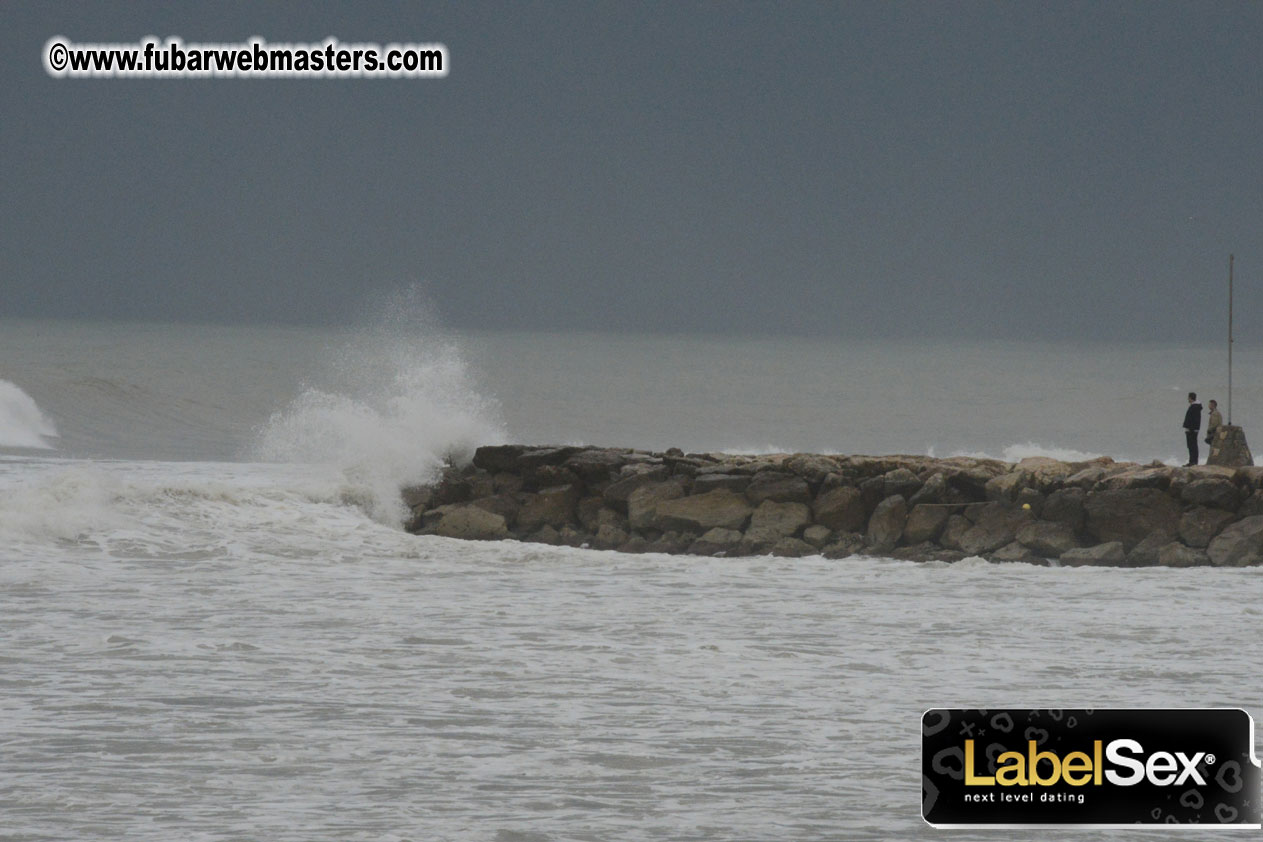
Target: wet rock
{"type": "Point", "coordinates": [609, 537]}
{"type": "Point", "coordinates": [717, 541]}
{"type": "Point", "coordinates": [469, 522]}
{"type": "Point", "coordinates": [546, 535]}
{"type": "Point", "coordinates": [596, 465]}
{"type": "Point", "coordinates": [1216, 492]}
{"type": "Point", "coordinates": [498, 457]}
{"type": "Point", "coordinates": [1109, 554]}
{"type": "Point", "coordinates": [1044, 474]}
{"type": "Point", "coordinates": [1176, 554]}
{"type": "Point", "coordinates": [885, 527]}
{"type": "Point", "coordinates": [552, 506]}
{"type": "Point", "coordinates": [1066, 506]}
{"type": "Point", "coordinates": [954, 531]}
{"type": "Point", "coordinates": [418, 497]}
{"type": "Point", "coordinates": [925, 523]}
{"type": "Point", "coordinates": [818, 536]}
{"type": "Point", "coordinates": [810, 466]}
{"type": "Point", "coordinates": [1145, 554]}
{"type": "Point", "coordinates": [1048, 539]}
{"type": "Point", "coordinates": [550, 476]}
{"type": "Point", "coordinates": [1130, 514]}
{"type": "Point", "coordinates": [1138, 478]}
{"type": "Point", "coordinates": [995, 525]}
{"type": "Point", "coordinates": [700, 512]}
{"type": "Point", "coordinates": [536, 457]}
{"type": "Point", "coordinates": [841, 509]}
{"type": "Point", "coordinates": [933, 491]}
{"type": "Point", "coordinates": [1005, 488]}
{"type": "Point", "coordinates": [1201, 523]}
{"type": "Point", "coordinates": [844, 545]}
{"type": "Point", "coordinates": [1252, 506]}
{"type": "Point", "coordinates": [506, 483]}
{"type": "Point", "coordinates": [619, 492]}
{"type": "Point", "coordinates": [792, 548]}
{"type": "Point", "coordinates": [505, 505]}
{"type": "Point", "coordinates": [900, 481]}
{"type": "Point", "coordinates": [778, 487]}
{"type": "Point", "coordinates": [643, 501]}
{"type": "Point", "coordinates": [1016, 552]}
{"type": "Point", "coordinates": [1239, 545]}
{"type": "Point", "coordinates": [772, 521]}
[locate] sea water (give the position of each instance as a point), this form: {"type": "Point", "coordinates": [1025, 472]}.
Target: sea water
{"type": "Point", "coordinates": [214, 627]}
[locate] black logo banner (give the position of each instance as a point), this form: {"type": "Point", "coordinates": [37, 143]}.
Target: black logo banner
{"type": "Point", "coordinates": [1095, 766]}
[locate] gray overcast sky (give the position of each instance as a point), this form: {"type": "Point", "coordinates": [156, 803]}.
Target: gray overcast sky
{"type": "Point", "coordinates": [902, 169]}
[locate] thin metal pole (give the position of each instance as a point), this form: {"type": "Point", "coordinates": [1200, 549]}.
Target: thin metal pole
{"type": "Point", "coordinates": [1230, 339]}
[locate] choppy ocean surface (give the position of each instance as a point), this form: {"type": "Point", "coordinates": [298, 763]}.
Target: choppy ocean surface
{"type": "Point", "coordinates": [215, 629]}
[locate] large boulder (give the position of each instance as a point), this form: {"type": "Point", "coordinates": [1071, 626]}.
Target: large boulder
{"type": "Point", "coordinates": [1005, 488]}
{"type": "Point", "coordinates": [995, 526]}
{"type": "Point", "coordinates": [885, 527]}
{"type": "Point", "coordinates": [1016, 552]}
{"type": "Point", "coordinates": [771, 521]}
{"type": "Point", "coordinates": [1044, 474]}
{"type": "Point", "coordinates": [1109, 554]}
{"type": "Point", "coordinates": [933, 491]}
{"type": "Point", "coordinates": [632, 477]}
{"type": "Point", "coordinates": [925, 522]}
{"type": "Point", "coordinates": [553, 506]}
{"type": "Point", "coordinates": [1238, 545]}
{"type": "Point", "coordinates": [699, 513]}
{"type": "Point", "coordinates": [596, 465]}
{"type": "Point", "coordinates": [778, 487]}
{"type": "Point", "coordinates": [1130, 514]}
{"type": "Point", "coordinates": [1136, 478]}
{"type": "Point", "coordinates": [841, 509]}
{"type": "Point", "coordinates": [468, 522]}
{"type": "Point", "coordinates": [1217, 492]}
{"type": "Point", "coordinates": [717, 541]}
{"type": "Point", "coordinates": [1065, 506]}
{"type": "Point", "coordinates": [643, 501]}
{"type": "Point", "coordinates": [498, 457]}
{"type": "Point", "coordinates": [900, 481]}
{"type": "Point", "coordinates": [1145, 554]}
{"type": "Point", "coordinates": [1176, 554]}
{"type": "Point", "coordinates": [954, 531]}
{"type": "Point", "coordinates": [1200, 524]}
{"type": "Point", "coordinates": [1048, 539]}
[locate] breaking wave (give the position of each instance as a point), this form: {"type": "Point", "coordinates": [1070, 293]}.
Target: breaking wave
{"type": "Point", "coordinates": [392, 408]}
{"type": "Point", "coordinates": [22, 424]}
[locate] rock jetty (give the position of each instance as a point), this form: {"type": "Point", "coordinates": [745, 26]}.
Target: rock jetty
{"type": "Point", "coordinates": [919, 508]}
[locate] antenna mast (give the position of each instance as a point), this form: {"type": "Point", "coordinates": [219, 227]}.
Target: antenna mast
{"type": "Point", "coordinates": [1230, 339]}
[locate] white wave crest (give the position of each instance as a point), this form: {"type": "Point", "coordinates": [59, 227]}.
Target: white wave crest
{"type": "Point", "coordinates": [22, 424]}
{"type": "Point", "coordinates": [394, 409]}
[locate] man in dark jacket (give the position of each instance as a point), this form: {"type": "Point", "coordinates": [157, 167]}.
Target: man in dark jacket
{"type": "Point", "coordinates": [1192, 423]}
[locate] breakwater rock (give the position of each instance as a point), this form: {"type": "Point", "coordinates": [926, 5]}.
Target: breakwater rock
{"type": "Point", "coordinates": [912, 507]}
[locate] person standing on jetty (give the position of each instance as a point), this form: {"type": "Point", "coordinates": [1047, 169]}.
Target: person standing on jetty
{"type": "Point", "coordinates": [1192, 423]}
{"type": "Point", "coordinates": [1213, 421]}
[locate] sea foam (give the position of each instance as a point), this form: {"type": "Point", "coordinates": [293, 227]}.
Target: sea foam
{"type": "Point", "coordinates": [22, 424]}
{"type": "Point", "coordinates": [393, 405]}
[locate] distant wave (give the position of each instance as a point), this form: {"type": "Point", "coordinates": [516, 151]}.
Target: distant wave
{"type": "Point", "coordinates": [22, 424]}
{"type": "Point", "coordinates": [1026, 450]}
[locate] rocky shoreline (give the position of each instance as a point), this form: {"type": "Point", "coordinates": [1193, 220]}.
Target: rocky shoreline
{"type": "Point", "coordinates": [910, 507]}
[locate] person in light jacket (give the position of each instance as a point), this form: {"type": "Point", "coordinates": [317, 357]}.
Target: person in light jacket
{"type": "Point", "coordinates": [1213, 421]}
